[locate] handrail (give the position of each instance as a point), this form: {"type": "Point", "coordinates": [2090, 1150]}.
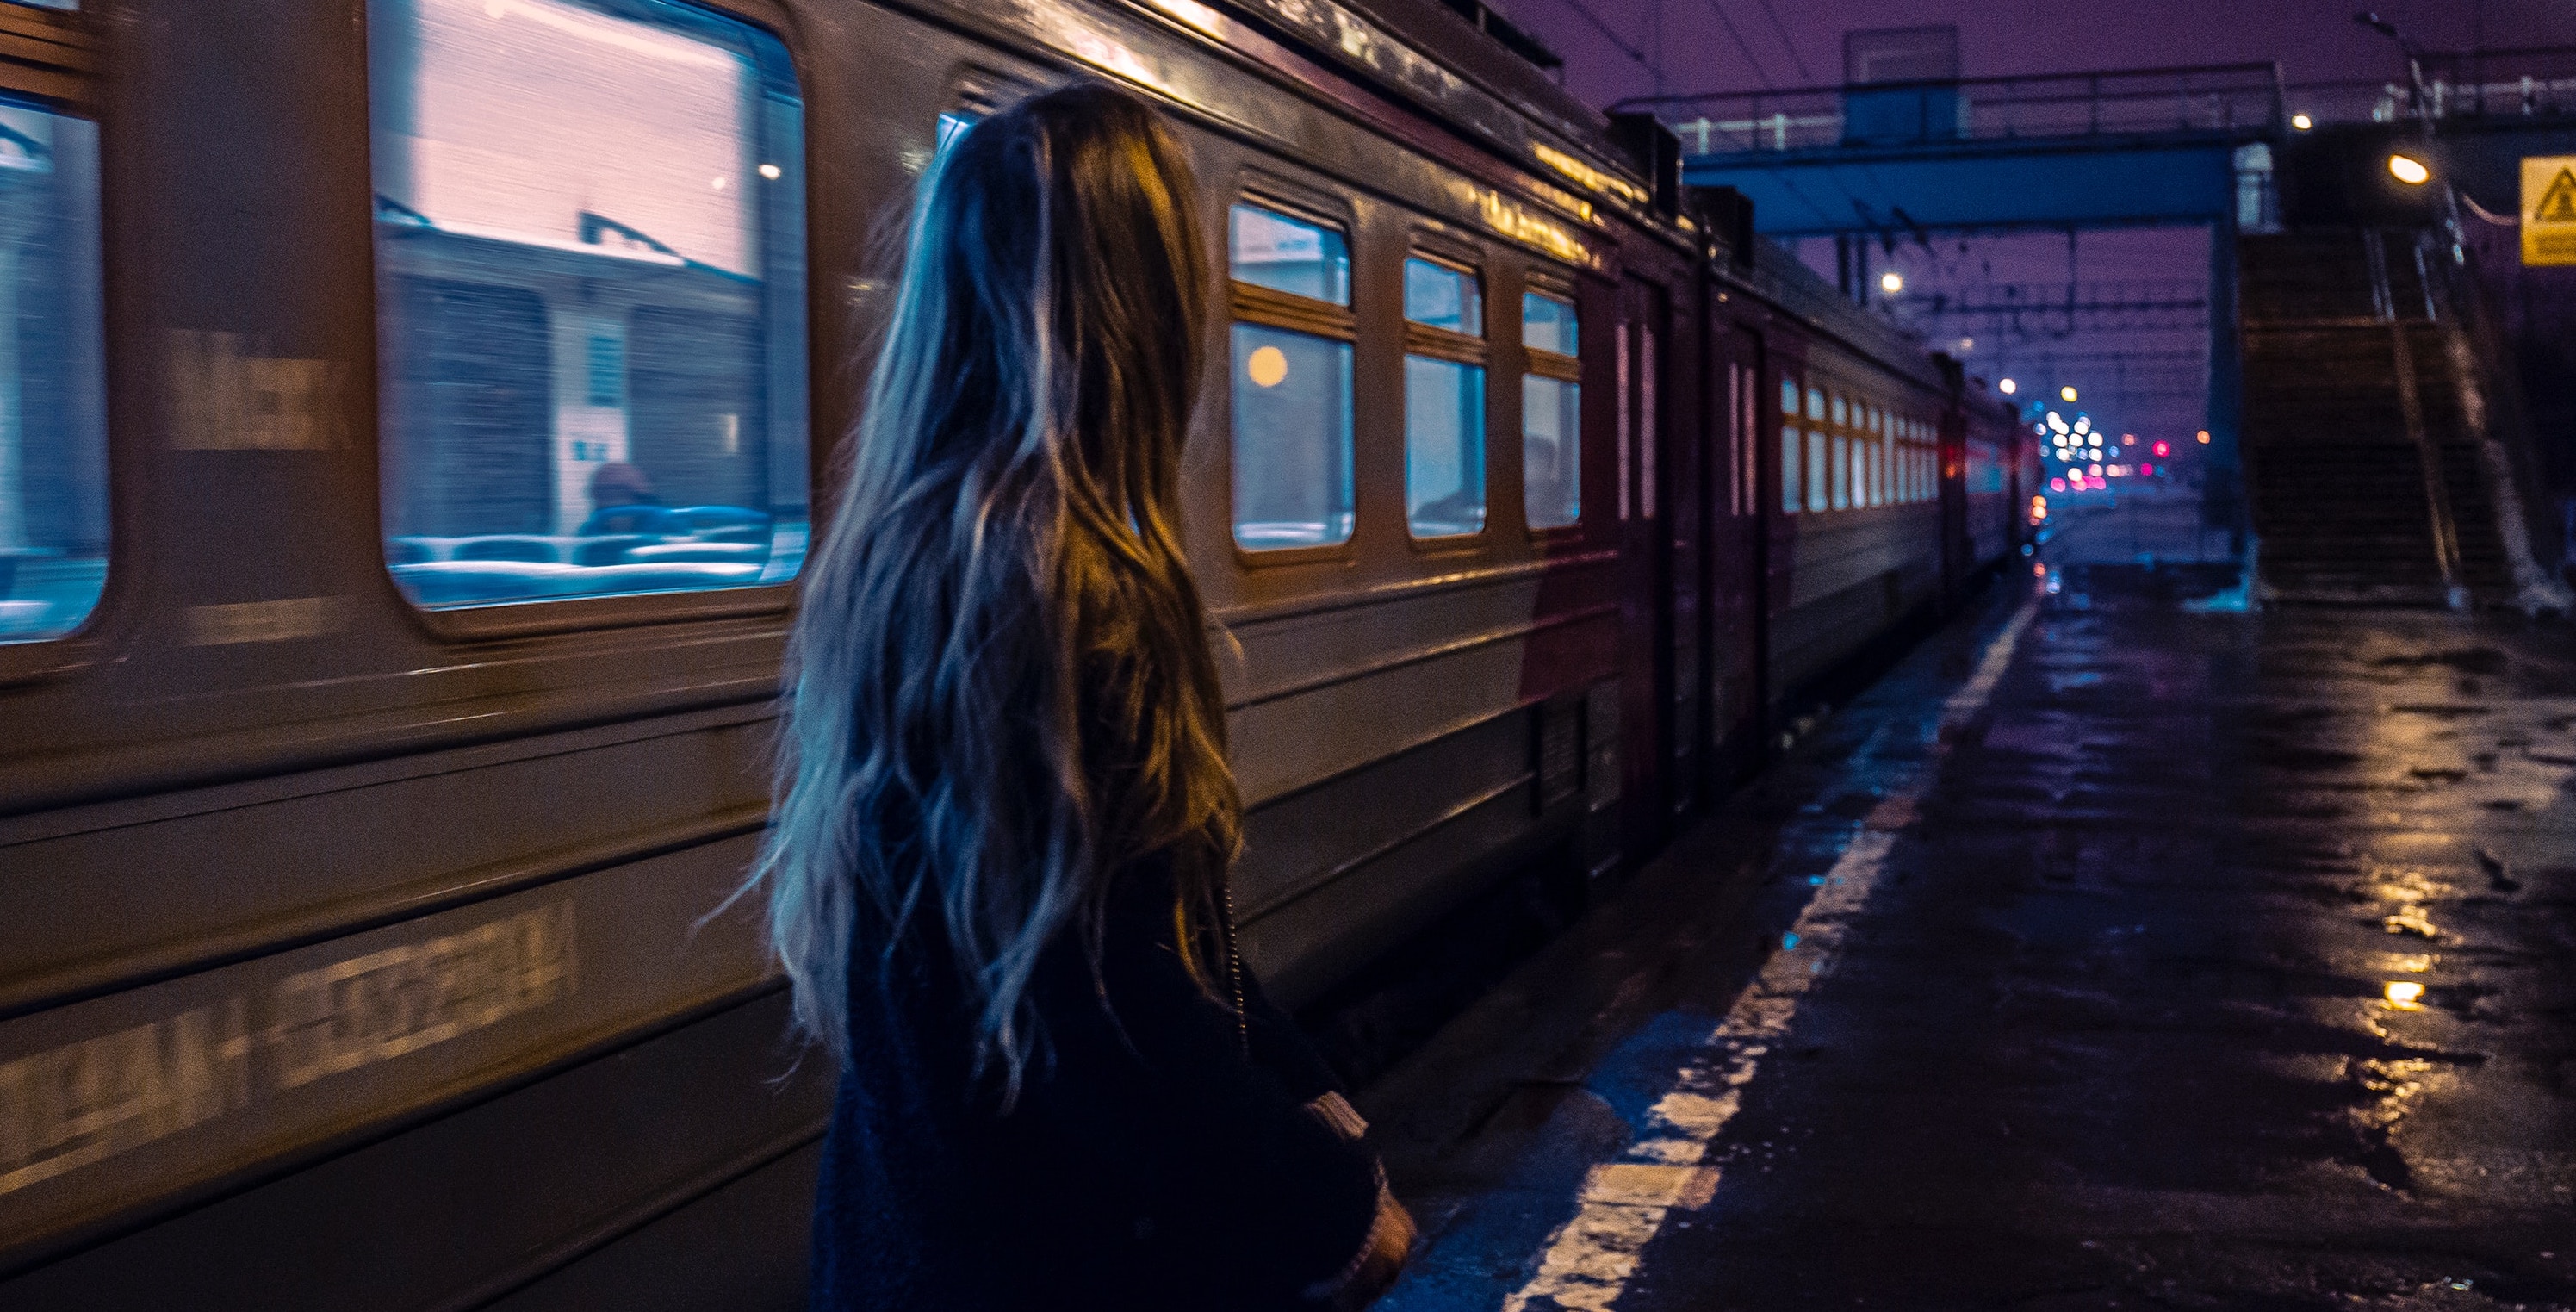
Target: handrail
{"type": "Point", "coordinates": [2233, 100]}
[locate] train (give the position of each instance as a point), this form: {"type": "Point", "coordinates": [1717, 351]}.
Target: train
{"type": "Point", "coordinates": [412, 417]}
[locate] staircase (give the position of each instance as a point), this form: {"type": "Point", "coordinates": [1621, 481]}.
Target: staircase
{"type": "Point", "coordinates": [2364, 435]}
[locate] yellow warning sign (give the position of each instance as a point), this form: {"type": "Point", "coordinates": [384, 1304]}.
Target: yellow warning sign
{"type": "Point", "coordinates": [2549, 209]}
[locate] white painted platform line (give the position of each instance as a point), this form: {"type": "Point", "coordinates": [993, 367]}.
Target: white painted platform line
{"type": "Point", "coordinates": [1625, 1202]}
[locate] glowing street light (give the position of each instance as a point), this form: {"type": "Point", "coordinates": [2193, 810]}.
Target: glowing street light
{"type": "Point", "coordinates": [2067, 392]}
{"type": "Point", "coordinates": [1891, 282]}
{"type": "Point", "coordinates": [2409, 170]}
{"type": "Point", "coordinates": [2204, 437]}
{"type": "Point", "coordinates": [2302, 122]}
{"type": "Point", "coordinates": [2008, 387]}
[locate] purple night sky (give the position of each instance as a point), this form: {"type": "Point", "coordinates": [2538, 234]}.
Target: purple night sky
{"type": "Point", "coordinates": [2135, 380]}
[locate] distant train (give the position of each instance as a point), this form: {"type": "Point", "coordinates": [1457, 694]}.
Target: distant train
{"type": "Point", "coordinates": [408, 411]}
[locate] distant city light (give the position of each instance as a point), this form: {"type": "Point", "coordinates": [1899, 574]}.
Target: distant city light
{"type": "Point", "coordinates": [1967, 343]}
{"type": "Point", "coordinates": [2146, 470]}
{"type": "Point", "coordinates": [2409, 170]}
{"type": "Point", "coordinates": [2163, 449]}
{"type": "Point", "coordinates": [769, 171]}
{"type": "Point", "coordinates": [2204, 437]}
{"type": "Point", "coordinates": [2128, 439]}
{"type": "Point", "coordinates": [2302, 122]}
{"type": "Point", "coordinates": [2066, 393]}
{"type": "Point", "coordinates": [2057, 485]}
{"type": "Point", "coordinates": [2008, 387]}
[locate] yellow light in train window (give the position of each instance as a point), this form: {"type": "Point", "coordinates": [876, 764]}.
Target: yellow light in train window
{"type": "Point", "coordinates": [1267, 367]}
{"type": "Point", "coordinates": [2409, 170]}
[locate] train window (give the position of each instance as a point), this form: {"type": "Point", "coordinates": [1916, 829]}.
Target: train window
{"type": "Point", "coordinates": [1444, 447]}
{"type": "Point", "coordinates": [1815, 404]}
{"type": "Point", "coordinates": [1551, 413]}
{"type": "Point", "coordinates": [1788, 398]}
{"type": "Point", "coordinates": [1842, 416]}
{"type": "Point", "coordinates": [590, 240]}
{"type": "Point", "coordinates": [1292, 439]}
{"type": "Point", "coordinates": [1444, 401]}
{"type": "Point", "coordinates": [1791, 461]}
{"type": "Point", "coordinates": [53, 403]}
{"type": "Point", "coordinates": [1270, 249]}
{"type": "Point", "coordinates": [1437, 296]}
{"type": "Point", "coordinates": [1841, 476]}
{"type": "Point", "coordinates": [1547, 323]}
{"type": "Point", "coordinates": [1817, 497]}
{"type": "Point", "coordinates": [1293, 479]}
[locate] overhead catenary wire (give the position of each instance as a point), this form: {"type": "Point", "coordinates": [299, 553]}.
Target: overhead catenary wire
{"type": "Point", "coordinates": [1787, 44]}
{"type": "Point", "coordinates": [1593, 21]}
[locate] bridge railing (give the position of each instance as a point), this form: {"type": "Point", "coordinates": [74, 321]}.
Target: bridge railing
{"type": "Point", "coordinates": [2488, 85]}
{"type": "Point", "coordinates": [2236, 100]}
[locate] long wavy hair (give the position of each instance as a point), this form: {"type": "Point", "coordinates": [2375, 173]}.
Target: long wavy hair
{"type": "Point", "coordinates": [1001, 692]}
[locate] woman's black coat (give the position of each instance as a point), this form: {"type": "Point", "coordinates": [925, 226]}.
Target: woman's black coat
{"type": "Point", "coordinates": [1157, 1158]}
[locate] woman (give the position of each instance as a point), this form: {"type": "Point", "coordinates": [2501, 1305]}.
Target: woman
{"type": "Point", "coordinates": [997, 876]}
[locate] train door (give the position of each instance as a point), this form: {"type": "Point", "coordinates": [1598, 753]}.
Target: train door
{"type": "Point", "coordinates": [1731, 492]}
{"type": "Point", "coordinates": [1640, 335]}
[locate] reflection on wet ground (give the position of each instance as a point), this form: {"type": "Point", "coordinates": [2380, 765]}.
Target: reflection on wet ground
{"type": "Point", "coordinates": [2213, 960]}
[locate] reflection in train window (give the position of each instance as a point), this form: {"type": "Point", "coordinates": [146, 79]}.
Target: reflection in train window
{"type": "Point", "coordinates": [1551, 413]}
{"type": "Point", "coordinates": [1551, 451]}
{"type": "Point", "coordinates": [1444, 401]}
{"type": "Point", "coordinates": [1292, 439]}
{"type": "Point", "coordinates": [1293, 480]}
{"type": "Point", "coordinates": [1547, 323]}
{"type": "Point", "coordinates": [53, 405]}
{"type": "Point", "coordinates": [1270, 249]}
{"type": "Point", "coordinates": [1444, 447]}
{"type": "Point", "coordinates": [590, 242]}
{"type": "Point", "coordinates": [1791, 499]}
{"type": "Point", "coordinates": [1437, 296]}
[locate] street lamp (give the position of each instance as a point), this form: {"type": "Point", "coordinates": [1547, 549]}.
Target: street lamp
{"type": "Point", "coordinates": [1891, 282]}
{"type": "Point", "coordinates": [2409, 170]}
{"type": "Point", "coordinates": [2067, 392]}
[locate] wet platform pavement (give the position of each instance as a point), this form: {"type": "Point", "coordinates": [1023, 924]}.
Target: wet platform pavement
{"type": "Point", "coordinates": [2106, 953]}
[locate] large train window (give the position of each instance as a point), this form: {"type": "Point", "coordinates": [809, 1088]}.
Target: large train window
{"type": "Point", "coordinates": [590, 235]}
{"type": "Point", "coordinates": [1551, 412]}
{"type": "Point", "coordinates": [1292, 380]}
{"type": "Point", "coordinates": [53, 405]}
{"type": "Point", "coordinates": [1818, 498]}
{"type": "Point", "coordinates": [1444, 400]}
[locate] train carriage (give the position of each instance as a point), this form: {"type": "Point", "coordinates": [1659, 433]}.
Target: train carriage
{"type": "Point", "coordinates": [403, 489]}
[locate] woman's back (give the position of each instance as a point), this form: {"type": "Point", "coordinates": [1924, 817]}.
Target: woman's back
{"type": "Point", "coordinates": [996, 876]}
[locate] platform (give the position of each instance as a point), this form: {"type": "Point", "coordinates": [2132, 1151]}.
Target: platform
{"type": "Point", "coordinates": [2107, 953]}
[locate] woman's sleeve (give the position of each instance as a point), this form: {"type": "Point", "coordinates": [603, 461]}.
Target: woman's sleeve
{"type": "Point", "coordinates": [1232, 1161]}
{"type": "Point", "coordinates": [1281, 1050]}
